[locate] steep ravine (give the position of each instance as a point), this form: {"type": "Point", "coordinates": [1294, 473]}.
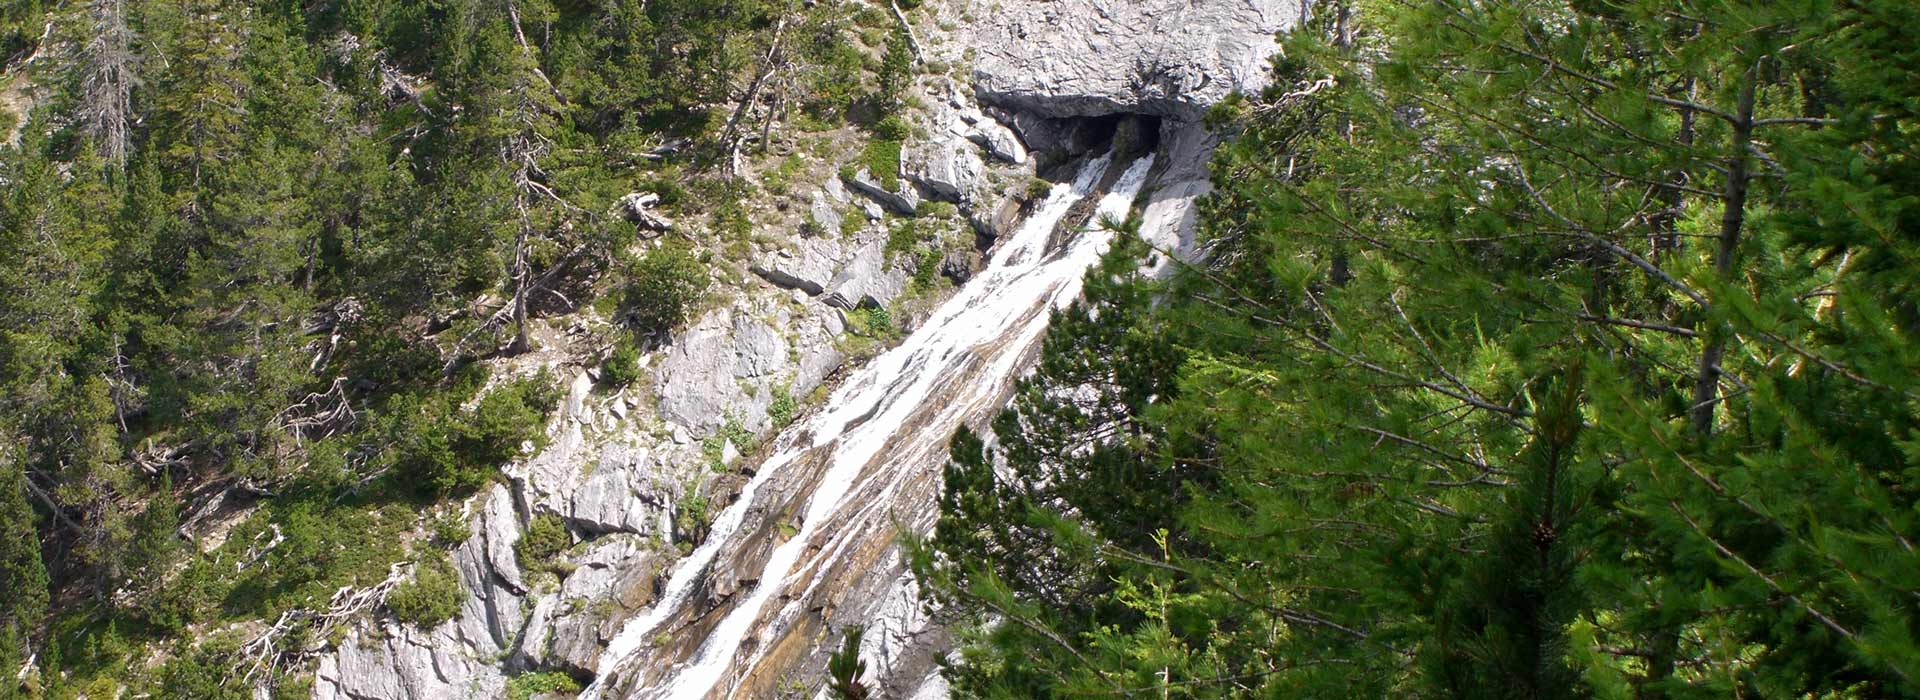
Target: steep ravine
{"type": "Point", "coordinates": [804, 542]}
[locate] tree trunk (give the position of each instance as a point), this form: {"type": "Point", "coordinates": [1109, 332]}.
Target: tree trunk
{"type": "Point", "coordinates": [1733, 215]}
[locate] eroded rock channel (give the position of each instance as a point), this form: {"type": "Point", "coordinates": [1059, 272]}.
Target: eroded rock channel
{"type": "Point", "coordinates": [1102, 100]}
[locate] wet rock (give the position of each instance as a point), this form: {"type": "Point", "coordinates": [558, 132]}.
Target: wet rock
{"type": "Point", "coordinates": [959, 265]}
{"type": "Point", "coordinates": [998, 220]}
{"type": "Point", "coordinates": [1173, 58]}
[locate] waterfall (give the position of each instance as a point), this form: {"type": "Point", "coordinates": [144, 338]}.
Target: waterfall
{"type": "Point", "coordinates": [890, 419]}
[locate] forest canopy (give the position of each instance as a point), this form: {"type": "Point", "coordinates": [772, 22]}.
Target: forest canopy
{"type": "Point", "coordinates": [1542, 350]}
{"type": "Point", "coordinates": [265, 252]}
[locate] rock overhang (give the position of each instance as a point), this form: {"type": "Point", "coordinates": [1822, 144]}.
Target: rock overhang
{"type": "Point", "coordinates": [1073, 59]}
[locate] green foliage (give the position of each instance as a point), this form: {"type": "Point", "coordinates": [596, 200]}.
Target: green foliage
{"type": "Point", "coordinates": [874, 322]}
{"type": "Point", "coordinates": [1532, 360]}
{"type": "Point", "coordinates": [663, 288]}
{"type": "Point", "coordinates": [21, 571]}
{"type": "Point", "coordinates": [203, 671]}
{"type": "Point", "coordinates": [443, 449]}
{"type": "Point", "coordinates": [895, 74]}
{"type": "Point", "coordinates": [881, 159]}
{"type": "Point", "coordinates": [844, 667]}
{"type": "Point", "coordinates": [324, 214]}
{"type": "Point", "coordinates": [622, 366]}
{"type": "Point", "coordinates": [527, 685]}
{"type": "Point", "coordinates": [732, 431]}
{"type": "Point", "coordinates": [432, 596]}
{"type": "Point", "coordinates": [690, 516]}
{"type": "Point", "coordinates": [783, 408]}
{"type": "Point", "coordinates": [546, 537]}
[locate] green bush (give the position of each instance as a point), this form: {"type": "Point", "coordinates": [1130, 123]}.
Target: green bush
{"type": "Point", "coordinates": [690, 515]}
{"type": "Point", "coordinates": [546, 537]}
{"type": "Point", "coordinates": [663, 287]}
{"type": "Point", "coordinates": [622, 366]}
{"type": "Point", "coordinates": [203, 672]}
{"type": "Point", "coordinates": [892, 128]}
{"type": "Point", "coordinates": [715, 446]}
{"type": "Point", "coordinates": [783, 407]}
{"type": "Point", "coordinates": [527, 685]}
{"type": "Point", "coordinates": [903, 235]}
{"type": "Point", "coordinates": [882, 160]}
{"type": "Point", "coordinates": [871, 322]}
{"type": "Point", "coordinates": [431, 597]}
{"type": "Point", "coordinates": [441, 449]}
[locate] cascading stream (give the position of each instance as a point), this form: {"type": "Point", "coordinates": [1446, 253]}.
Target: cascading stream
{"type": "Point", "coordinates": [953, 367]}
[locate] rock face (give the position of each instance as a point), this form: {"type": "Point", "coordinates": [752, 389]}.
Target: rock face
{"type": "Point", "coordinates": [621, 467]}
{"type": "Point", "coordinates": [949, 169]}
{"type": "Point", "coordinates": [901, 199]}
{"type": "Point", "coordinates": [1169, 58]}
{"type": "Point", "coordinates": [456, 659]}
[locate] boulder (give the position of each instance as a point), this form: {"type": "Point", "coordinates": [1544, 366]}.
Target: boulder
{"type": "Point", "coordinates": [867, 279]}
{"type": "Point", "coordinates": [998, 220]}
{"type": "Point", "coordinates": [949, 169]}
{"type": "Point", "coordinates": [901, 199]}
{"type": "Point", "coordinates": [999, 141]}
{"type": "Point", "coordinates": [823, 217]}
{"type": "Point", "coordinates": [809, 267]}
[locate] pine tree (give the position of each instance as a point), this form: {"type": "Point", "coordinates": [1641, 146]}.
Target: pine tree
{"type": "Point", "coordinates": [22, 574]}
{"type": "Point", "coordinates": [844, 668]}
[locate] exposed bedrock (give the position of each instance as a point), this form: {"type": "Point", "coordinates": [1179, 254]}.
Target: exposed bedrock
{"type": "Point", "coordinates": [1052, 84]}
{"type": "Point", "coordinates": [1080, 58]}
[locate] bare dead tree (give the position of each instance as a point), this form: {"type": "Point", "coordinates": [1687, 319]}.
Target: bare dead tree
{"type": "Point", "coordinates": [107, 80]}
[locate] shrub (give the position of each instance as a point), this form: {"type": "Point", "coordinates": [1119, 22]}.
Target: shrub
{"type": "Point", "coordinates": [527, 685]}
{"type": "Point", "coordinates": [783, 407]}
{"type": "Point", "coordinates": [882, 160]}
{"type": "Point", "coordinates": [892, 128]}
{"type": "Point", "coordinates": [204, 672]}
{"type": "Point", "coordinates": [690, 517]}
{"type": "Point", "coordinates": [440, 449]}
{"type": "Point", "coordinates": [546, 537]}
{"type": "Point", "coordinates": [663, 287]}
{"type": "Point", "coordinates": [431, 597]}
{"type": "Point", "coordinates": [714, 448]}
{"type": "Point", "coordinates": [871, 322]}
{"type": "Point", "coordinates": [902, 236]}
{"type": "Point", "coordinates": [622, 366]}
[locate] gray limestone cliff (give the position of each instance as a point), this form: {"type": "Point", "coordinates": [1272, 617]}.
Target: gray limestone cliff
{"type": "Point", "coordinates": [632, 472]}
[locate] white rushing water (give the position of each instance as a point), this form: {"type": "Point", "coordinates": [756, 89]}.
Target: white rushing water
{"type": "Point", "coordinates": [994, 319]}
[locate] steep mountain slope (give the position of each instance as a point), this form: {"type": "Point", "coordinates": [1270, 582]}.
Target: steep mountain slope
{"type": "Point", "coordinates": [808, 545]}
